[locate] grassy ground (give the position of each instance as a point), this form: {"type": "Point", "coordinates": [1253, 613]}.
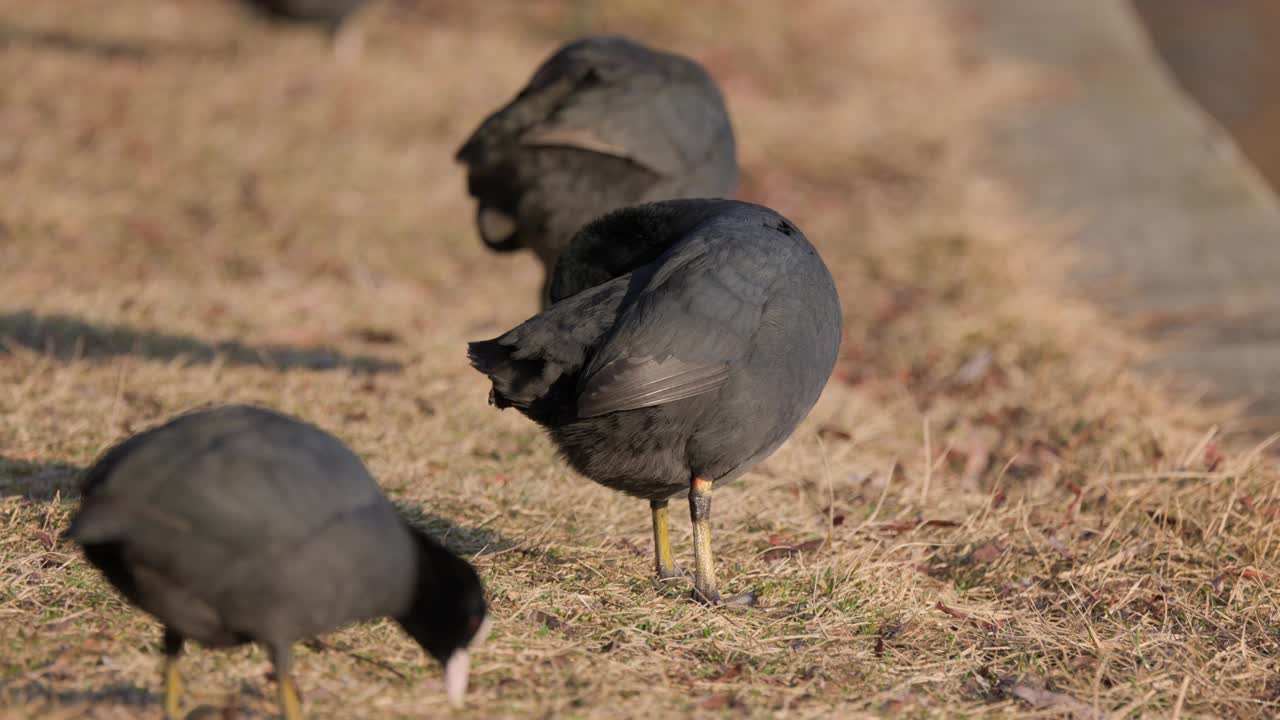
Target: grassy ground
{"type": "Point", "coordinates": [985, 515]}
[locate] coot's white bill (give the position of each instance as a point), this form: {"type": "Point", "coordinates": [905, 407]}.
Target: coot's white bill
{"type": "Point", "coordinates": [458, 668]}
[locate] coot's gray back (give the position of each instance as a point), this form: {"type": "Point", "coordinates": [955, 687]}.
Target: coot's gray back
{"type": "Point", "coordinates": [240, 523]}
{"type": "Point", "coordinates": [229, 471]}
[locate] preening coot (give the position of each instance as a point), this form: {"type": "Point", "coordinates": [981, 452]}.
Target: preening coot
{"type": "Point", "coordinates": [239, 524]}
{"type": "Point", "coordinates": [604, 123]}
{"type": "Point", "coordinates": [686, 342]}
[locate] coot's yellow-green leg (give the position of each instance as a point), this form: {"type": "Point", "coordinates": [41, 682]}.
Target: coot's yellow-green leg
{"type": "Point", "coordinates": [704, 573]}
{"type": "Point", "coordinates": [662, 540]}
{"type": "Point", "coordinates": [172, 677]}
{"type": "Point", "coordinates": [704, 576]}
{"type": "Point", "coordinates": [290, 704]}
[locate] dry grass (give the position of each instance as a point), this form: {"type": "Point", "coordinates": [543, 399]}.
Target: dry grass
{"type": "Point", "coordinates": [986, 515]}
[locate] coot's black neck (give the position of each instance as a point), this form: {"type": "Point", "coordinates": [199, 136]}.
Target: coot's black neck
{"type": "Point", "coordinates": [621, 241]}
{"type": "Point", "coordinates": [446, 603]}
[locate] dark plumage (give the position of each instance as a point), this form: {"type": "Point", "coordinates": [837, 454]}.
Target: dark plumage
{"type": "Point", "coordinates": [240, 524]}
{"type": "Point", "coordinates": [686, 341]}
{"type": "Point", "coordinates": [604, 123]}
{"type": "Point", "coordinates": [333, 15]}
{"type": "Point", "coordinates": [330, 12]}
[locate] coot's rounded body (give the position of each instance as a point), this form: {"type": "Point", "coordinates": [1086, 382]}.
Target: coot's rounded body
{"type": "Point", "coordinates": [686, 342]}
{"type": "Point", "coordinates": [239, 524]}
{"type": "Point", "coordinates": [604, 123]}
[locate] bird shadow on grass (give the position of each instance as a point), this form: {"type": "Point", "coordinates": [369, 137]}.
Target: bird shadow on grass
{"type": "Point", "coordinates": [465, 540]}
{"type": "Point", "coordinates": [38, 481]}
{"type": "Point", "coordinates": [102, 48]}
{"type": "Point", "coordinates": [116, 694]}
{"type": "Point", "coordinates": [68, 338]}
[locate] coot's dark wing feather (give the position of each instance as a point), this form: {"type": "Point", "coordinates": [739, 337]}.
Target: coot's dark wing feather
{"type": "Point", "coordinates": [632, 383]}
{"type": "Point", "coordinates": [691, 323]}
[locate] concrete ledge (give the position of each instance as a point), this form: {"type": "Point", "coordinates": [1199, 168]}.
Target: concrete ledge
{"type": "Point", "coordinates": [1179, 235]}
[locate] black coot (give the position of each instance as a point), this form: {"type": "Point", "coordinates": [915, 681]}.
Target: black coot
{"type": "Point", "coordinates": [239, 524]}
{"type": "Point", "coordinates": [334, 15]}
{"type": "Point", "coordinates": [686, 342]}
{"type": "Point", "coordinates": [604, 123]}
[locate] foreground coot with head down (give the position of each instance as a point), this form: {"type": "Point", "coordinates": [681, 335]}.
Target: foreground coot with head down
{"type": "Point", "coordinates": [687, 340]}
{"type": "Point", "coordinates": [604, 123]}
{"type": "Point", "coordinates": [240, 524]}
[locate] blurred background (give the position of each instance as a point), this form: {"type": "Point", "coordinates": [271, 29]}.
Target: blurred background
{"type": "Point", "coordinates": [137, 132]}
{"type": "Point", "coordinates": [1020, 201]}
{"type": "Point", "coordinates": [1226, 56]}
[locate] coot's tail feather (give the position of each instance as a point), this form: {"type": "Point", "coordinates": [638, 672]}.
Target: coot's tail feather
{"type": "Point", "coordinates": [516, 383]}
{"type": "Point", "coordinates": [534, 366]}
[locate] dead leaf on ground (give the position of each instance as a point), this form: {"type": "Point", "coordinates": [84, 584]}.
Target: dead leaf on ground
{"type": "Point", "coordinates": [426, 407]}
{"type": "Point", "coordinates": [831, 432]}
{"type": "Point", "coordinates": [780, 550]}
{"type": "Point", "coordinates": [718, 702]}
{"type": "Point", "coordinates": [887, 631]}
{"type": "Point", "coordinates": [45, 539]}
{"type": "Point", "coordinates": [780, 539]}
{"type": "Point", "coordinates": [899, 302]}
{"type": "Point", "coordinates": [376, 336]}
{"type": "Point", "coordinates": [725, 672]}
{"type": "Point", "coordinates": [976, 448]}
{"type": "Point", "coordinates": [905, 703]}
{"type": "Point", "coordinates": [987, 552]}
{"type": "Point", "coordinates": [1247, 573]}
{"type": "Point", "coordinates": [1267, 510]}
{"type": "Point", "coordinates": [957, 613]}
{"type": "Point", "coordinates": [908, 524]}
{"type": "Point", "coordinates": [848, 374]}
{"type": "Point", "coordinates": [546, 619]}
{"type": "Point", "coordinates": [1037, 457]}
{"type": "Point", "coordinates": [631, 547]}
{"type": "Point", "coordinates": [1213, 457]}
{"type": "Point", "coordinates": [975, 369]}
{"type": "Point", "coordinates": [1053, 542]}
{"type": "Point", "coordinates": [1032, 693]}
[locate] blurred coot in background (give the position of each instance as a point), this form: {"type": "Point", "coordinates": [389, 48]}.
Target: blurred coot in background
{"type": "Point", "coordinates": [604, 123]}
